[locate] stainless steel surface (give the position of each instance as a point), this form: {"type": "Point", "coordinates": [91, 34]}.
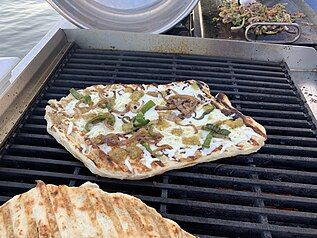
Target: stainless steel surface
{"type": "Point", "coordinates": [198, 21]}
{"type": "Point", "coordinates": [294, 25]}
{"type": "Point", "coordinates": [21, 92]}
{"type": "Point", "coordinates": [150, 16]}
{"type": "Point", "coordinates": [302, 61]}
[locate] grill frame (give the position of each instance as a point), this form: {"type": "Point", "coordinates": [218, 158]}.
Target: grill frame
{"type": "Point", "coordinates": [249, 173]}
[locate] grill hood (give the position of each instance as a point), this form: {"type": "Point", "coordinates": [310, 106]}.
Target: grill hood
{"type": "Point", "coordinates": [150, 16]}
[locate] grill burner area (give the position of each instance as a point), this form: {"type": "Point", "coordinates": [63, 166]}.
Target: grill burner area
{"type": "Point", "coordinates": [272, 193]}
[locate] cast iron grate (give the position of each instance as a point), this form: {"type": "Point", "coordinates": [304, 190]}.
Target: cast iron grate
{"type": "Point", "coordinates": [272, 193]}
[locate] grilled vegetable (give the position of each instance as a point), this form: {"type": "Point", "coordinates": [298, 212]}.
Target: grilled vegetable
{"type": "Point", "coordinates": [207, 140]}
{"type": "Point", "coordinates": [147, 146]}
{"type": "Point", "coordinates": [207, 109]}
{"type": "Point", "coordinates": [136, 95]}
{"type": "Point", "coordinates": [177, 131]}
{"type": "Point", "coordinates": [108, 117]}
{"type": "Point", "coordinates": [215, 129]}
{"type": "Point", "coordinates": [127, 127]}
{"type": "Point", "coordinates": [162, 124]}
{"type": "Point", "coordinates": [243, 15]}
{"type": "Point", "coordinates": [107, 103]}
{"type": "Point", "coordinates": [75, 94]}
{"type": "Point", "coordinates": [147, 106]}
{"type": "Point", "coordinates": [78, 96]}
{"type": "Point", "coordinates": [192, 140]}
{"type": "Point", "coordinates": [118, 154]}
{"type": "Point", "coordinates": [87, 99]}
{"type": "Point", "coordinates": [134, 151]}
{"type": "Point", "coordinates": [139, 120]}
{"type": "Point", "coordinates": [232, 123]}
{"type": "Point", "coordinates": [98, 140]}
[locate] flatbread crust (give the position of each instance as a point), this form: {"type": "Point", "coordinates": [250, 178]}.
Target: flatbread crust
{"type": "Point", "coordinates": [99, 164]}
{"type": "Point", "coordinates": [85, 211]}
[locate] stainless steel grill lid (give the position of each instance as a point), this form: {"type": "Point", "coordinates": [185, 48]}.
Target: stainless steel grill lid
{"type": "Point", "coordinates": [151, 16]}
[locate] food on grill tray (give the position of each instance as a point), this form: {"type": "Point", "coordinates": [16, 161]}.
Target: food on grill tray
{"type": "Point", "coordinates": [243, 15]}
{"type": "Point", "coordinates": [137, 131]}
{"type": "Point", "coordinates": [85, 211]}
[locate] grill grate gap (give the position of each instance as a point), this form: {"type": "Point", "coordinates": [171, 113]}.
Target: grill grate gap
{"type": "Point", "coordinates": [272, 193]}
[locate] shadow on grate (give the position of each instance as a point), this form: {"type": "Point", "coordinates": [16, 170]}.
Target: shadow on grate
{"type": "Point", "coordinates": [272, 193]}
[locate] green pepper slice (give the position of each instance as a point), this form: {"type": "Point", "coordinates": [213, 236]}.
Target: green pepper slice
{"type": "Point", "coordinates": [147, 106]}
{"type": "Point", "coordinates": [208, 109]}
{"type": "Point", "coordinates": [87, 99]}
{"type": "Point", "coordinates": [139, 120]}
{"type": "Point", "coordinates": [215, 129]}
{"type": "Point", "coordinates": [207, 140]}
{"type": "Point", "coordinates": [147, 146]}
{"type": "Point", "coordinates": [108, 117]}
{"type": "Point", "coordinates": [75, 94]}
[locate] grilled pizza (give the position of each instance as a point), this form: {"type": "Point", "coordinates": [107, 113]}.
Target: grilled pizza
{"type": "Point", "coordinates": [85, 211]}
{"type": "Point", "coordinates": [137, 131]}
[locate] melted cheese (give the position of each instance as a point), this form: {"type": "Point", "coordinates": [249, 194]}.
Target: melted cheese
{"type": "Point", "coordinates": [69, 108]}
{"type": "Point", "coordinates": [122, 100]}
{"type": "Point", "coordinates": [243, 133]}
{"type": "Point", "coordinates": [129, 166]}
{"type": "Point", "coordinates": [188, 151]}
{"type": "Point", "coordinates": [98, 129]}
{"type": "Point", "coordinates": [105, 148]}
{"type": "Point", "coordinates": [95, 97]}
{"type": "Point", "coordinates": [147, 159]}
{"type": "Point", "coordinates": [187, 89]}
{"type": "Point", "coordinates": [80, 124]}
{"type": "Point", "coordinates": [70, 128]}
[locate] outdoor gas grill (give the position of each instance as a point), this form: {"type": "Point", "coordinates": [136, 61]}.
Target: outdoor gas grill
{"type": "Point", "coordinates": [272, 193]}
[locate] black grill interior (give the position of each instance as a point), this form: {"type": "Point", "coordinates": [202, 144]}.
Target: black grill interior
{"type": "Point", "coordinates": [272, 193]}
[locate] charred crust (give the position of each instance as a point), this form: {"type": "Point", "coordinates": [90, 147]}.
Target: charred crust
{"type": "Point", "coordinates": [227, 109]}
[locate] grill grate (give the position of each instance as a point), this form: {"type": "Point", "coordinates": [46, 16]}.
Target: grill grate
{"type": "Point", "coordinates": [272, 193]}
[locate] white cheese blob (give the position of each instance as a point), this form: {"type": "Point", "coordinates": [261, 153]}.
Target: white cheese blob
{"type": "Point", "coordinates": [80, 124]}
{"type": "Point", "coordinates": [241, 134]}
{"type": "Point", "coordinates": [215, 116]}
{"type": "Point", "coordinates": [96, 111]}
{"type": "Point", "coordinates": [187, 89]}
{"type": "Point", "coordinates": [70, 128]}
{"type": "Point", "coordinates": [85, 148]}
{"type": "Point", "coordinates": [122, 100]}
{"type": "Point", "coordinates": [151, 88]}
{"type": "Point", "coordinates": [129, 166]}
{"type": "Point", "coordinates": [95, 97]}
{"type": "Point", "coordinates": [147, 159]}
{"type": "Point", "coordinates": [188, 151]}
{"type": "Point", "coordinates": [69, 108]}
{"type": "Point", "coordinates": [98, 129]}
{"type": "Point", "coordinates": [151, 115]}
{"type": "Point", "coordinates": [215, 143]}
{"type": "Point", "coordinates": [82, 105]}
{"type": "Point", "coordinates": [157, 100]}
{"type": "Point", "coordinates": [105, 148]}
{"type": "Point", "coordinates": [118, 125]}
